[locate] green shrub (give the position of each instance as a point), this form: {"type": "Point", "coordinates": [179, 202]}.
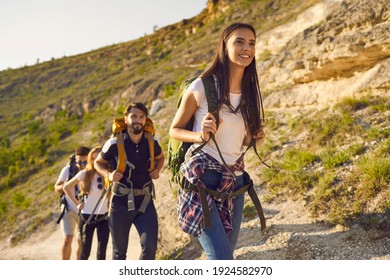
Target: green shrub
{"type": "Point", "coordinates": [331, 159]}
{"type": "Point", "coordinates": [249, 211]}
{"type": "Point", "coordinates": [332, 130]}
{"type": "Point", "coordinates": [34, 126]}
{"type": "Point", "coordinates": [295, 160]}
{"type": "Point", "coordinates": [352, 104]}
{"type": "Point", "coordinates": [18, 199]}
{"type": "Point", "coordinates": [170, 90]}
{"type": "Point", "coordinates": [375, 171]}
{"type": "Point", "coordinates": [384, 148]}
{"type": "Point", "coordinates": [292, 175]}
{"type": "Point", "coordinates": [3, 208]}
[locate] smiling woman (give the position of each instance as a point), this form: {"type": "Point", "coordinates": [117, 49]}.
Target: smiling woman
{"type": "Point", "coordinates": [240, 48]}
{"type": "Point", "coordinates": [55, 29]}
{"type": "Point", "coordinates": [214, 171]}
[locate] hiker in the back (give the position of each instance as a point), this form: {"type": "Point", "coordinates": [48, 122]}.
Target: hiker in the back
{"type": "Point", "coordinates": [69, 218]}
{"type": "Point", "coordinates": [132, 156]}
{"type": "Point", "coordinates": [216, 171]}
{"type": "Point", "coordinates": [93, 207]}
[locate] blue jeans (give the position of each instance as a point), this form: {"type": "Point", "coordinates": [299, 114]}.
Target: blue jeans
{"type": "Point", "coordinates": [146, 223]}
{"type": "Point", "coordinates": [214, 241]}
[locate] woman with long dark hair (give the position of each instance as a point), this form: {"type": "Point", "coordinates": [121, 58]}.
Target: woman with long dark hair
{"type": "Point", "coordinates": [240, 121]}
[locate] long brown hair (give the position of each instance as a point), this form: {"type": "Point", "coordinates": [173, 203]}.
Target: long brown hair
{"type": "Point", "coordinates": [90, 171]}
{"type": "Point", "coordinates": [251, 105]}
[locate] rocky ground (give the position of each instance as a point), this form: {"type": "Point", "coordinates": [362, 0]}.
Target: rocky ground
{"type": "Point", "coordinates": [293, 235]}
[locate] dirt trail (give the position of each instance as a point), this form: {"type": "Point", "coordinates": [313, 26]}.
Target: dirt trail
{"type": "Point", "coordinates": [47, 246]}
{"type": "Point", "coordinates": [291, 234]}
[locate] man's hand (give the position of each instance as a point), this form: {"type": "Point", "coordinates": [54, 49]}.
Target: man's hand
{"type": "Point", "coordinates": [155, 174]}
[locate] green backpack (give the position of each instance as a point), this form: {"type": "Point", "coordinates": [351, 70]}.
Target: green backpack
{"type": "Point", "coordinates": [176, 148]}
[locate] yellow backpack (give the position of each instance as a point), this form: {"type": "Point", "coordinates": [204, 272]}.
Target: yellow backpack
{"type": "Point", "coordinates": [117, 129]}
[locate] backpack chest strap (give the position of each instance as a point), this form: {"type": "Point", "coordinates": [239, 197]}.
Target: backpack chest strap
{"type": "Point", "coordinates": [147, 192]}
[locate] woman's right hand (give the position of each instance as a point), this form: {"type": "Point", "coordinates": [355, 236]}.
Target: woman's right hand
{"type": "Point", "coordinates": [208, 125]}
{"type": "Point", "coordinates": [80, 205]}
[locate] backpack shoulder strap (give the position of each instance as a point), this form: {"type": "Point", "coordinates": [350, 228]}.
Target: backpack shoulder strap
{"type": "Point", "coordinates": [150, 139]}
{"type": "Point", "coordinates": [211, 96]}
{"type": "Point", "coordinates": [73, 169]}
{"type": "Point", "coordinates": [253, 144]}
{"type": "Point", "coordinates": [212, 104]}
{"type": "Point", "coordinates": [122, 158]}
{"type": "Point", "coordinates": [121, 165]}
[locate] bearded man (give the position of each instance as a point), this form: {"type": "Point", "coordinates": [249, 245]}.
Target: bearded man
{"type": "Point", "coordinates": [131, 201]}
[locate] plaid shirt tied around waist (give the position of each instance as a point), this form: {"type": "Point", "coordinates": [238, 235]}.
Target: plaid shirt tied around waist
{"type": "Point", "coordinates": [189, 205]}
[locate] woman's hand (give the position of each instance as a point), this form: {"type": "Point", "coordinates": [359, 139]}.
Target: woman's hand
{"type": "Point", "coordinates": [260, 135]}
{"type": "Point", "coordinates": [80, 206]}
{"type": "Point", "coordinates": [209, 125]}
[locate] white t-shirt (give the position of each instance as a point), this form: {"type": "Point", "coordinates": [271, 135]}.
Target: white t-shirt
{"type": "Point", "coordinates": [64, 175]}
{"type": "Point", "coordinates": [231, 131]}
{"type": "Point", "coordinates": [93, 196]}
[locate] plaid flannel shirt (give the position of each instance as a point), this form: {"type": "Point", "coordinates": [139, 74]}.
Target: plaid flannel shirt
{"type": "Point", "coordinates": [189, 205]}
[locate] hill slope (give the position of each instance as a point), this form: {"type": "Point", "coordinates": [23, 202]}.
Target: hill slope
{"type": "Point", "coordinates": [324, 72]}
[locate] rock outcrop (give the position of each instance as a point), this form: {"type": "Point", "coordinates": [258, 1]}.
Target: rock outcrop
{"type": "Point", "coordinates": [344, 52]}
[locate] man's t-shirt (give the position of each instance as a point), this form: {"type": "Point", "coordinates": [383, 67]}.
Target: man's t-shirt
{"type": "Point", "coordinates": [137, 154]}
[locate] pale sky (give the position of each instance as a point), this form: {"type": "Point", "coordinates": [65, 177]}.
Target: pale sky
{"type": "Point", "coordinates": [42, 29]}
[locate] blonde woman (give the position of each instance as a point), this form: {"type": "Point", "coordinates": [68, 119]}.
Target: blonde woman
{"type": "Point", "coordinates": [92, 203]}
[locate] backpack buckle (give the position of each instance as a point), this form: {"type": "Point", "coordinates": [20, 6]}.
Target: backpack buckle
{"type": "Point", "coordinates": [225, 195]}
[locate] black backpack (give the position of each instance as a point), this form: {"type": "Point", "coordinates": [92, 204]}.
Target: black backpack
{"type": "Point", "coordinates": [73, 169]}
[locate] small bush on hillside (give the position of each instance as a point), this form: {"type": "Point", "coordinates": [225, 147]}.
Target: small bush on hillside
{"type": "Point", "coordinates": [375, 172]}
{"type": "Point", "coordinates": [20, 201]}
{"type": "Point", "coordinates": [352, 104]}
{"type": "Point", "coordinates": [292, 174]}
{"type": "Point", "coordinates": [3, 208]}
{"type": "Point", "coordinates": [332, 159]}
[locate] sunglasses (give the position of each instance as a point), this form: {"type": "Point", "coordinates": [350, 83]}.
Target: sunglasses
{"type": "Point", "coordinates": [82, 162]}
{"type": "Point", "coordinates": [100, 185]}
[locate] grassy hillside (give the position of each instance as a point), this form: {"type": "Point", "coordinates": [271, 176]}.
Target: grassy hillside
{"type": "Point", "coordinates": [336, 160]}
{"type": "Point", "coordinates": [50, 108]}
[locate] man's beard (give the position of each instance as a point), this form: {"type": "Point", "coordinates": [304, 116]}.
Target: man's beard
{"type": "Point", "coordinates": [136, 130]}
